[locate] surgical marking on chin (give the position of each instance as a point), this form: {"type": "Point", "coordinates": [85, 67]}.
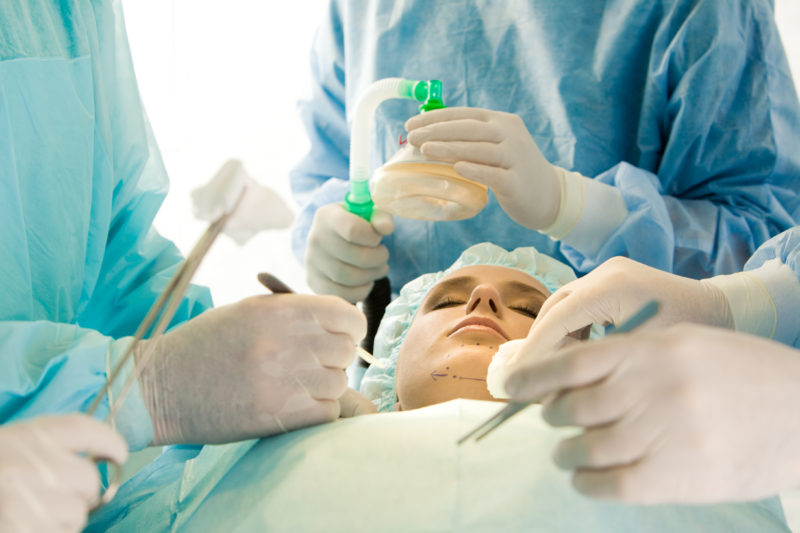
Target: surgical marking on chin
{"type": "Point", "coordinates": [436, 374]}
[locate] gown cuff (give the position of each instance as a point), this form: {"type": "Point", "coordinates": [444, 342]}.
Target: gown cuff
{"type": "Point", "coordinates": [132, 420]}
{"type": "Point", "coordinates": [589, 212]}
{"type": "Point", "coordinates": [761, 300]}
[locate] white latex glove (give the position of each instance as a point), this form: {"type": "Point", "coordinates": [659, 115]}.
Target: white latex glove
{"type": "Point", "coordinates": [264, 365]}
{"type": "Point", "coordinates": [344, 254]}
{"type": "Point", "coordinates": [612, 293]}
{"type": "Point", "coordinates": [44, 484]}
{"type": "Point", "coordinates": [353, 403]}
{"type": "Point", "coordinates": [687, 414]}
{"type": "Point", "coordinates": [495, 149]}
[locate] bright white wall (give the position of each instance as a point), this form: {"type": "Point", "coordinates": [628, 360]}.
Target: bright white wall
{"type": "Point", "coordinates": [221, 79]}
{"type": "Point", "coordinates": [787, 14]}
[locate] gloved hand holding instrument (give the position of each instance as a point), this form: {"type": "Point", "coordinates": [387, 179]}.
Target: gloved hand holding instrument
{"type": "Point", "coordinates": [264, 365]}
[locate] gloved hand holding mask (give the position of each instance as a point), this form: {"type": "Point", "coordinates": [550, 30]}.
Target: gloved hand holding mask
{"type": "Point", "coordinates": [344, 255]}
{"type": "Point", "coordinates": [495, 149]}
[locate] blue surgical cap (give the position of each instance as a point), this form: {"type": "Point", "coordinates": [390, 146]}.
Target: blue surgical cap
{"type": "Point", "coordinates": [378, 382]}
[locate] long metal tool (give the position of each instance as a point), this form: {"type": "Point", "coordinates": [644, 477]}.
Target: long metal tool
{"type": "Point", "coordinates": [154, 324]}
{"type": "Point", "coordinates": [510, 409]}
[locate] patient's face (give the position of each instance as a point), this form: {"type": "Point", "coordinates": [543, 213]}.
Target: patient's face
{"type": "Point", "coordinates": [457, 330]}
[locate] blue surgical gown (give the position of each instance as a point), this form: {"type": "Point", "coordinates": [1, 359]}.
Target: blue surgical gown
{"type": "Point", "coordinates": [81, 180]}
{"type": "Point", "coordinates": [686, 107]}
{"type": "Point", "coordinates": [785, 296]}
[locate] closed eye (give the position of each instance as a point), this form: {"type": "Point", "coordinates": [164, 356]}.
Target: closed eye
{"type": "Point", "coordinates": [447, 301]}
{"type": "Point", "coordinates": [527, 311]}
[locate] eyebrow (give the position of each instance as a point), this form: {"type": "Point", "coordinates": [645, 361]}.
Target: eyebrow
{"type": "Point", "coordinates": [524, 288]}
{"type": "Point", "coordinates": [459, 282]}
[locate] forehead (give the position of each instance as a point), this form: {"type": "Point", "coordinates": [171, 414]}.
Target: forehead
{"type": "Point", "coordinates": [490, 274]}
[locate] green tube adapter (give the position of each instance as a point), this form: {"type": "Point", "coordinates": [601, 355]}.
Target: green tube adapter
{"type": "Point", "coordinates": [359, 200]}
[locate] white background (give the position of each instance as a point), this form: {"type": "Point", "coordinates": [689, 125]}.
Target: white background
{"type": "Point", "coordinates": [220, 80]}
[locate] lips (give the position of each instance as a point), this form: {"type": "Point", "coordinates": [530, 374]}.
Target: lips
{"type": "Point", "coordinates": [479, 321]}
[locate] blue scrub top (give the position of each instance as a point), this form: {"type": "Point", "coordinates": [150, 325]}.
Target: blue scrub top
{"type": "Point", "coordinates": [81, 180]}
{"type": "Point", "coordinates": [686, 107]}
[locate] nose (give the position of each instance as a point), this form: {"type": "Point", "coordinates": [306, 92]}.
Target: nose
{"type": "Point", "coordinates": [484, 297]}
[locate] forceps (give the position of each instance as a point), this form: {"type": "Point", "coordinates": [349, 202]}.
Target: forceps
{"type": "Point", "coordinates": [640, 317]}
{"type": "Point", "coordinates": [160, 314]}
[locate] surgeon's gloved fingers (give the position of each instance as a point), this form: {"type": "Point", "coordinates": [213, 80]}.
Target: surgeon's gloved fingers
{"type": "Point", "coordinates": [65, 512]}
{"type": "Point", "coordinates": [29, 506]}
{"type": "Point", "coordinates": [336, 316]}
{"type": "Point", "coordinates": [341, 249]}
{"type": "Point", "coordinates": [344, 255]}
{"type": "Point", "coordinates": [331, 350]}
{"type": "Point", "coordinates": [623, 442]}
{"type": "Point", "coordinates": [323, 383]}
{"type": "Point", "coordinates": [80, 476]}
{"type": "Point", "coordinates": [83, 434]}
{"type": "Point", "coordinates": [593, 405]}
{"type": "Point", "coordinates": [320, 412]}
{"type": "Point", "coordinates": [345, 224]}
{"type": "Point", "coordinates": [320, 284]}
{"type": "Point", "coordinates": [574, 366]}
{"type": "Point", "coordinates": [382, 221]}
{"type": "Point", "coordinates": [496, 178]}
{"type": "Point", "coordinates": [344, 273]}
{"type": "Point", "coordinates": [352, 403]}
{"type": "Point", "coordinates": [548, 333]}
{"type": "Point", "coordinates": [622, 483]}
{"type": "Point", "coordinates": [59, 470]}
{"type": "Point", "coordinates": [449, 114]}
{"type": "Point", "coordinates": [470, 130]}
{"type": "Point", "coordinates": [480, 153]}
{"type": "Point", "coordinates": [330, 313]}
{"type": "Point", "coordinates": [24, 511]}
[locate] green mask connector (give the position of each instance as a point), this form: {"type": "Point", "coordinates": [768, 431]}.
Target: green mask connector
{"type": "Point", "coordinates": [428, 92]}
{"type": "Point", "coordinates": [433, 98]}
{"type": "Point", "coordinates": [359, 201]}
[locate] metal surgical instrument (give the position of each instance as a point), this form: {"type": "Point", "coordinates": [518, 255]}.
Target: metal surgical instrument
{"type": "Point", "coordinates": [160, 314]}
{"type": "Point", "coordinates": [640, 317]}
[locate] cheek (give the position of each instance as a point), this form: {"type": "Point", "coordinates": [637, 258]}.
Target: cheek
{"type": "Point", "coordinates": [519, 326]}
{"type": "Point", "coordinates": [416, 343]}
{"type": "Point", "coordinates": [426, 329]}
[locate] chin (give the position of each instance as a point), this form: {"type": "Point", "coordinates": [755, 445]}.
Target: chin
{"type": "Point", "coordinates": [470, 358]}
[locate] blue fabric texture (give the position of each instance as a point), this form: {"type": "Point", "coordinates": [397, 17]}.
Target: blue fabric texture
{"type": "Point", "coordinates": [784, 247]}
{"type": "Point", "coordinates": [687, 107]}
{"type": "Point", "coordinates": [81, 180]}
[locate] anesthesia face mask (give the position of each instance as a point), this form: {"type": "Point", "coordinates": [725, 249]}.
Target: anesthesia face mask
{"type": "Point", "coordinates": [409, 185]}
